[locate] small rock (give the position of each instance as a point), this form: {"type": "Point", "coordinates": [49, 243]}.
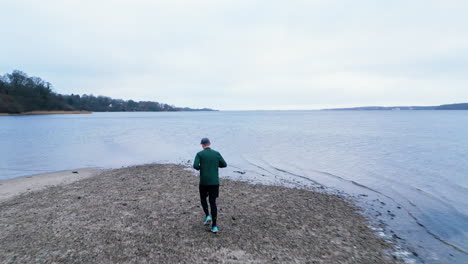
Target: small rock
{"type": "Point", "coordinates": [74, 171]}
{"type": "Point", "coordinates": [233, 218]}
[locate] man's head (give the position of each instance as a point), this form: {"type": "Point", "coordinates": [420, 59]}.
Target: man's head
{"type": "Point", "coordinates": [205, 143]}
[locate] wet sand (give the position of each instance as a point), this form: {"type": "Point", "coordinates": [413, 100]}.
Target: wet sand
{"type": "Point", "coordinates": [17, 186]}
{"type": "Point", "coordinates": [151, 214]}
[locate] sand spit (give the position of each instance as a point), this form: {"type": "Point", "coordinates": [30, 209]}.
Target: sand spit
{"type": "Point", "coordinates": [47, 113]}
{"type": "Point", "coordinates": [17, 186]}
{"type": "Point", "coordinates": [151, 214]}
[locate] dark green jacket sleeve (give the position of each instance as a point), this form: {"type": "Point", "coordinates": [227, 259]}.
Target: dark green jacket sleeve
{"type": "Point", "coordinates": [196, 162]}
{"type": "Point", "coordinates": [222, 162]}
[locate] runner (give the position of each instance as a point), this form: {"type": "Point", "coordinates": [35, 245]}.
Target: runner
{"type": "Point", "coordinates": [207, 162]}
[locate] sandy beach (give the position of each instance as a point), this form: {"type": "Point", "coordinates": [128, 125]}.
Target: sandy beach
{"type": "Point", "coordinates": [151, 214]}
{"type": "Point", "coordinates": [17, 186]}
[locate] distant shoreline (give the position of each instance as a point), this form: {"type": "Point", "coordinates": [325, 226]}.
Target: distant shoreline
{"type": "Point", "coordinates": [460, 106]}
{"type": "Point", "coordinates": [48, 113]}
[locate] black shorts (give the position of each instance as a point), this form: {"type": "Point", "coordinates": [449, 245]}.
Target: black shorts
{"type": "Point", "coordinates": [211, 190]}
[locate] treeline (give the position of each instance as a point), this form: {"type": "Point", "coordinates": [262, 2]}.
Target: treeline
{"type": "Point", "coordinates": [463, 106]}
{"type": "Point", "coordinates": [20, 93]}
{"type": "Point", "coordinates": [107, 104]}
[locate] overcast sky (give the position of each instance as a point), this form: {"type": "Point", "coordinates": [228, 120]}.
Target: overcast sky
{"type": "Point", "coordinates": [243, 54]}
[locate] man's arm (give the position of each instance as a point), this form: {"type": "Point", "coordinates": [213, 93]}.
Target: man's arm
{"type": "Point", "coordinates": [222, 162]}
{"type": "Point", "coordinates": [196, 162]}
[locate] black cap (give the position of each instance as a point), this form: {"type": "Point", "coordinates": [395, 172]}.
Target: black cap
{"type": "Point", "coordinates": [205, 141]}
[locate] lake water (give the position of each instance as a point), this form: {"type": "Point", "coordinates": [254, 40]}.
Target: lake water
{"type": "Point", "coordinates": [408, 169]}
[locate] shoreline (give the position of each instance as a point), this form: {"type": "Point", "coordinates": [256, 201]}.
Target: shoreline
{"type": "Point", "coordinates": [10, 188]}
{"type": "Point", "coordinates": [48, 113]}
{"type": "Point", "coordinates": [152, 213]}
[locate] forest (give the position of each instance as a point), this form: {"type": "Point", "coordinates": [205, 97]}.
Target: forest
{"type": "Point", "coordinates": [21, 93]}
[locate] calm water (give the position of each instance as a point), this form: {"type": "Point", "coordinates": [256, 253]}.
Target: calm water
{"type": "Point", "coordinates": [408, 169]}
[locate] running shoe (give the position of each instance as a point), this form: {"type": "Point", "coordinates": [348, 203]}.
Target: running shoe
{"type": "Point", "coordinates": [207, 220]}
{"type": "Point", "coordinates": [214, 229]}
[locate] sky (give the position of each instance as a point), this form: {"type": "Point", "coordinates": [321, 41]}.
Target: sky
{"type": "Point", "coordinates": [243, 55]}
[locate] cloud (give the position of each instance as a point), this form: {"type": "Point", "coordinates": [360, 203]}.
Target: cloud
{"type": "Point", "coordinates": [244, 54]}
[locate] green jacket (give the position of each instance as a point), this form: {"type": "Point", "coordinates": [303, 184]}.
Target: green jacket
{"type": "Point", "coordinates": [207, 162]}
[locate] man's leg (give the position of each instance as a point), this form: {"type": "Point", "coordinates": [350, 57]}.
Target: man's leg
{"type": "Point", "coordinates": [213, 194]}
{"type": "Point", "coordinates": [203, 194]}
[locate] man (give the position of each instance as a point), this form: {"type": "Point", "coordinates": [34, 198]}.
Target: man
{"type": "Point", "coordinates": [207, 162]}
